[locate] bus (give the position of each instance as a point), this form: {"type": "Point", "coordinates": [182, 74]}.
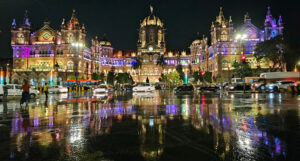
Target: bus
{"type": "Point", "coordinates": [82, 82]}
{"type": "Point", "coordinates": [271, 77]}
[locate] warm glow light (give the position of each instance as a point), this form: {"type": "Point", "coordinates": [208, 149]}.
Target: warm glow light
{"type": "Point", "coordinates": [295, 70]}
{"type": "Point", "coordinates": [241, 36]}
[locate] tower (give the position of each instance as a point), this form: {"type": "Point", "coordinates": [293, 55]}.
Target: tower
{"type": "Point", "coordinates": [221, 29]}
{"type": "Point", "coordinates": [21, 34]}
{"type": "Point", "coordinates": [151, 35]}
{"type": "Point", "coordinates": [72, 32]}
{"type": "Point", "coordinates": [272, 27]}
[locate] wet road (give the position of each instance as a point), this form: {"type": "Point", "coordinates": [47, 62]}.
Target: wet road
{"type": "Point", "coordinates": [152, 126]}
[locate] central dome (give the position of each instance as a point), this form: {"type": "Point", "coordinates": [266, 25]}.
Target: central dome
{"type": "Point", "coordinates": [152, 20]}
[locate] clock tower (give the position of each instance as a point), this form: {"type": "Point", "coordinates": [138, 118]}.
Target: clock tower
{"type": "Point", "coordinates": [150, 46]}
{"type": "Point", "coordinates": [151, 40]}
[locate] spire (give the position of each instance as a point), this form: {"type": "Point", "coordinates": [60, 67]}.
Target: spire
{"type": "Point", "coordinates": [151, 9]}
{"type": "Point", "coordinates": [74, 14]}
{"type": "Point", "coordinates": [14, 24]}
{"type": "Point", "coordinates": [280, 21]}
{"type": "Point", "coordinates": [221, 17]}
{"type": "Point", "coordinates": [73, 23]}
{"type": "Point", "coordinates": [83, 28]}
{"type": "Point", "coordinates": [269, 10]}
{"type": "Point", "coordinates": [246, 17]}
{"type": "Point", "coordinates": [26, 22]}
{"type": "Point", "coordinates": [46, 21]}
{"type": "Point", "coordinates": [63, 22]}
{"type": "Point", "coordinates": [269, 18]}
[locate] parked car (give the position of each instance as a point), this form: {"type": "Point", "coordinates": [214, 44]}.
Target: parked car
{"type": "Point", "coordinates": [127, 88]}
{"type": "Point", "coordinates": [143, 87]}
{"type": "Point", "coordinates": [285, 84]}
{"type": "Point", "coordinates": [16, 90]}
{"type": "Point", "coordinates": [271, 87]}
{"type": "Point", "coordinates": [238, 87]}
{"type": "Point", "coordinates": [209, 88]}
{"type": "Point", "coordinates": [184, 88]}
{"type": "Point", "coordinates": [101, 89]}
{"type": "Point", "coordinates": [58, 89]}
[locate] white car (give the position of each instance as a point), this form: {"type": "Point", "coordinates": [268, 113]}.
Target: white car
{"type": "Point", "coordinates": [58, 89]}
{"type": "Point", "coordinates": [285, 84]}
{"type": "Point", "coordinates": [16, 90]}
{"type": "Point", "coordinates": [101, 89]}
{"type": "Point", "coordinates": [144, 87]}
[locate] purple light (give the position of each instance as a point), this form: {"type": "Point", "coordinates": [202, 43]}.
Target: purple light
{"type": "Point", "coordinates": [278, 148]}
{"type": "Point", "coordinates": [35, 121]}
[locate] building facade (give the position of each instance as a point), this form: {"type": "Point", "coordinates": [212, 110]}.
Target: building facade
{"type": "Point", "coordinates": [151, 45]}
{"type": "Point", "coordinates": [228, 45]}
{"type": "Point", "coordinates": [51, 56]}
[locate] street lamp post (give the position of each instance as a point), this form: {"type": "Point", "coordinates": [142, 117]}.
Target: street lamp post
{"type": "Point", "coordinates": [7, 73]}
{"type": "Point", "coordinates": [56, 66]}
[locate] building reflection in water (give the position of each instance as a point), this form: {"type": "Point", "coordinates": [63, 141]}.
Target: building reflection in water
{"type": "Point", "coordinates": [67, 122]}
{"type": "Point", "coordinates": [151, 122]}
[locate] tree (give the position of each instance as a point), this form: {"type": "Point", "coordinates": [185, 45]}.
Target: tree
{"type": "Point", "coordinates": [242, 70]}
{"type": "Point", "coordinates": [102, 76]}
{"type": "Point", "coordinates": [124, 78]}
{"type": "Point", "coordinates": [71, 77]}
{"type": "Point", "coordinates": [161, 61]}
{"type": "Point", "coordinates": [196, 76]}
{"type": "Point", "coordinates": [190, 69]}
{"type": "Point", "coordinates": [137, 64]}
{"type": "Point", "coordinates": [111, 76]}
{"type": "Point", "coordinates": [172, 79]}
{"type": "Point", "coordinates": [208, 77]}
{"type": "Point", "coordinates": [272, 50]}
{"type": "Point", "coordinates": [95, 76]}
{"type": "Point", "coordinates": [180, 71]}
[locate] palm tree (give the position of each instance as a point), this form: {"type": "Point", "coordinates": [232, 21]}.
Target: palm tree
{"type": "Point", "coordinates": [137, 64]}
{"type": "Point", "coordinates": [161, 61]}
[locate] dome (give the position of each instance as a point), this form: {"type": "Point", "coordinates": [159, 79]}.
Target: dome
{"type": "Point", "coordinates": [197, 41]}
{"type": "Point", "coordinates": [152, 20]}
{"type": "Point", "coordinates": [105, 42]}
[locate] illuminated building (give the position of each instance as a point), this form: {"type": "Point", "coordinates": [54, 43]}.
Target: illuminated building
{"type": "Point", "coordinates": [150, 46]}
{"type": "Point", "coordinates": [228, 45]}
{"type": "Point", "coordinates": [48, 55]}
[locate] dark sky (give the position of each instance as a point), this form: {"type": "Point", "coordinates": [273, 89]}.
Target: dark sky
{"type": "Point", "coordinates": [119, 19]}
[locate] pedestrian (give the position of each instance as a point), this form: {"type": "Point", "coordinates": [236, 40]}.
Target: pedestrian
{"type": "Point", "coordinates": [25, 92]}
{"type": "Point", "coordinates": [5, 92]}
{"type": "Point", "coordinates": [46, 90]}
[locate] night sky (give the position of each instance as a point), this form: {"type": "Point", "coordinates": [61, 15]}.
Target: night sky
{"type": "Point", "coordinates": [119, 19]}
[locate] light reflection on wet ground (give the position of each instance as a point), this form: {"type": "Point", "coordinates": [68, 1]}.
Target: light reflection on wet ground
{"type": "Point", "coordinates": [157, 126]}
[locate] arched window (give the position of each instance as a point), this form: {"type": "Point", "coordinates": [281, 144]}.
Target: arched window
{"type": "Point", "coordinates": [70, 65]}
{"type": "Point", "coordinates": [224, 36]}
